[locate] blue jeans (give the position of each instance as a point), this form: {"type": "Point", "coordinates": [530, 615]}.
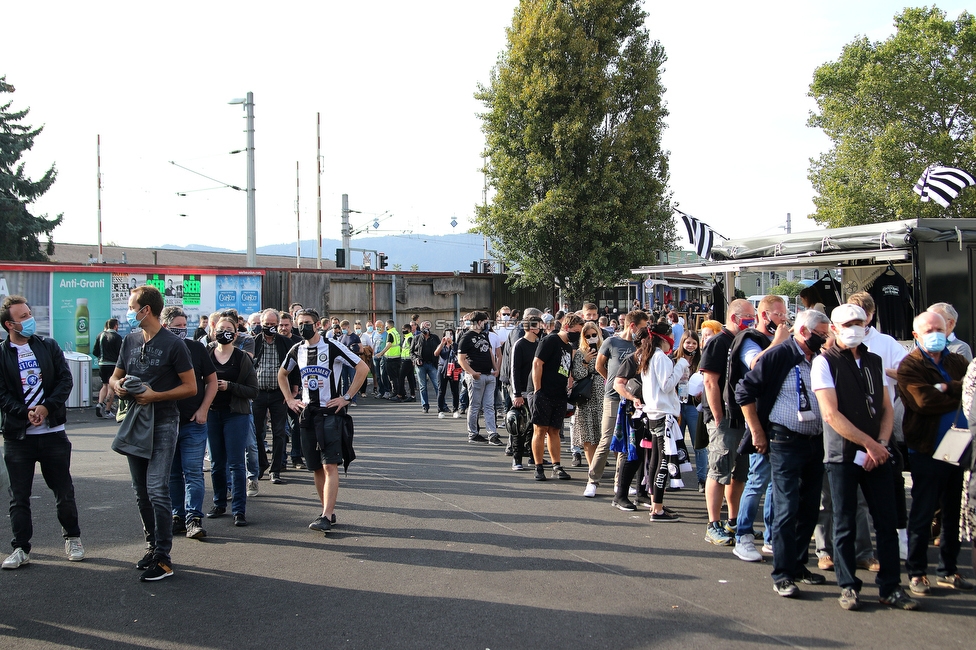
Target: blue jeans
{"type": "Point", "coordinates": [186, 487]}
{"type": "Point", "coordinates": [252, 459]}
{"type": "Point", "coordinates": [425, 372]}
{"type": "Point", "coordinates": [797, 468]}
{"type": "Point", "coordinates": [53, 452]}
{"type": "Point", "coordinates": [228, 432]}
{"type": "Point", "coordinates": [481, 392]}
{"type": "Point", "coordinates": [878, 487]}
{"type": "Point", "coordinates": [348, 374]}
{"type": "Point", "coordinates": [381, 383]}
{"type": "Point", "coordinates": [689, 422]}
{"type": "Point", "coordinates": [757, 483]}
{"type": "Point", "coordinates": [150, 481]}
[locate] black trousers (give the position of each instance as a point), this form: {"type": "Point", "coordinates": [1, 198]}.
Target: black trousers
{"type": "Point", "coordinates": [270, 401]}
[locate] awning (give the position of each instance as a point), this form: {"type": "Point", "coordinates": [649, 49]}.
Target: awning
{"type": "Point", "coordinates": [806, 260]}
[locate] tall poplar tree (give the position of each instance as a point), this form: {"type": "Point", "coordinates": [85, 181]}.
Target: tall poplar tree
{"type": "Point", "coordinates": [19, 229]}
{"type": "Point", "coordinates": [573, 123]}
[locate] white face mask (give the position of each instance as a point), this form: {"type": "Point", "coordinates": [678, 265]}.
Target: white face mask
{"type": "Point", "coordinates": [851, 336]}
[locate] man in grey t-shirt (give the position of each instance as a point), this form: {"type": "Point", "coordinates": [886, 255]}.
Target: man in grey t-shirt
{"type": "Point", "coordinates": [612, 353]}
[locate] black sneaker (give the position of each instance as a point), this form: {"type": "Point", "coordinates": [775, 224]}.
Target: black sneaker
{"type": "Point", "coordinates": [240, 520]}
{"type": "Point", "coordinates": [146, 560]}
{"type": "Point", "coordinates": [477, 438]}
{"type": "Point", "coordinates": [577, 459]}
{"type": "Point", "coordinates": [540, 473]}
{"type": "Point", "coordinates": [426, 409]}
{"type": "Point", "coordinates": [495, 441]}
{"type": "Point", "coordinates": [156, 571]}
{"type": "Point", "coordinates": [664, 516]}
{"type": "Point", "coordinates": [623, 504]}
{"type": "Point", "coordinates": [808, 578]}
{"type": "Point", "coordinates": [179, 526]}
{"type": "Point", "coordinates": [321, 523]}
{"type": "Point", "coordinates": [194, 530]}
{"type": "Point", "coordinates": [785, 588]}
{"type": "Point", "coordinates": [333, 519]}
{"type": "Point", "coordinates": [642, 499]}
{"type": "Point", "coordinates": [899, 600]}
{"type": "Point", "coordinates": [276, 479]}
{"type": "Point", "coordinates": [560, 473]}
{"type": "Point", "coordinates": [216, 512]}
{"type": "Point", "coordinates": [701, 487]}
{"type": "Point", "coordinates": [849, 600]}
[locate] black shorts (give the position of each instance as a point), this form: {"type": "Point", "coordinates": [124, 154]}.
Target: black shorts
{"type": "Point", "coordinates": [321, 438]}
{"type": "Point", "coordinates": [547, 411]}
{"type": "Point", "coordinates": [105, 372]}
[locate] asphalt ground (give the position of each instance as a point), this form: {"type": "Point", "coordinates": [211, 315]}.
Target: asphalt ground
{"type": "Point", "coordinates": [439, 544]}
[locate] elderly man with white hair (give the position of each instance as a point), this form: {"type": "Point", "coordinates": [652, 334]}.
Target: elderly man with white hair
{"type": "Point", "coordinates": [930, 386]}
{"type": "Point", "coordinates": [951, 316]}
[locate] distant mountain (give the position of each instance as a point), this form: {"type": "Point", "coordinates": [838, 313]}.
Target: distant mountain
{"type": "Point", "coordinates": [428, 252]}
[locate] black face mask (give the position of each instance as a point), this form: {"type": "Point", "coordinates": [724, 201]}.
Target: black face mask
{"type": "Point", "coordinates": [255, 329]}
{"type": "Point", "coordinates": [307, 331]}
{"type": "Point", "coordinates": [574, 338]}
{"type": "Point", "coordinates": [224, 337]}
{"type": "Point", "coordinates": [269, 329]}
{"type": "Point", "coordinates": [771, 328]}
{"type": "Point", "coordinates": [815, 342]}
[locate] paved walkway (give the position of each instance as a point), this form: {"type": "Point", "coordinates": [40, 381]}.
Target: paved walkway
{"type": "Point", "coordinates": [439, 545]}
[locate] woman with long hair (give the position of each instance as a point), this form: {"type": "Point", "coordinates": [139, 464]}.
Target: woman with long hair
{"type": "Point", "coordinates": [690, 349]}
{"type": "Point", "coordinates": [659, 382]}
{"type": "Point", "coordinates": [588, 420]}
{"type": "Point", "coordinates": [448, 373]}
{"type": "Point", "coordinates": [228, 424]}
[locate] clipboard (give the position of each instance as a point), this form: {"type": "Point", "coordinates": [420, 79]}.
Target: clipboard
{"type": "Point", "coordinates": [954, 444]}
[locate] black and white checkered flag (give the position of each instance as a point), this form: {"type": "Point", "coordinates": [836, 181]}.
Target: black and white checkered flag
{"type": "Point", "coordinates": [700, 234]}
{"type": "Point", "coordinates": [942, 184]}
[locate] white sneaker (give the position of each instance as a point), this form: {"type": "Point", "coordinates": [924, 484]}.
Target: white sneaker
{"type": "Point", "coordinates": [252, 488]}
{"type": "Point", "coordinates": [457, 414]}
{"type": "Point", "coordinates": [441, 415]}
{"type": "Point", "coordinates": [16, 558]}
{"type": "Point", "coordinates": [632, 491]}
{"type": "Point", "coordinates": [73, 549]}
{"type": "Point", "coordinates": [590, 490]}
{"type": "Point", "coordinates": [767, 549]}
{"type": "Point", "coordinates": [902, 543]}
{"type": "Point", "coordinates": [745, 549]}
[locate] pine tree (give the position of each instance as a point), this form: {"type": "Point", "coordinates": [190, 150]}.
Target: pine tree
{"type": "Point", "coordinates": [19, 229]}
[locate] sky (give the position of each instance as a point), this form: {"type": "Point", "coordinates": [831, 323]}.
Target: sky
{"type": "Point", "coordinates": [394, 84]}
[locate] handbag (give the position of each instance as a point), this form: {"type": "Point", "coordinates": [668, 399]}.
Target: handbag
{"type": "Point", "coordinates": [582, 390]}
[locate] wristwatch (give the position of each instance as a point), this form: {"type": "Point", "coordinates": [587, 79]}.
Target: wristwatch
{"type": "Point", "coordinates": [346, 397]}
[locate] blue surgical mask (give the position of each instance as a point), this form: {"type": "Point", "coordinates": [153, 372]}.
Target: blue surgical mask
{"type": "Point", "coordinates": [28, 327]}
{"type": "Point", "coordinates": [369, 329]}
{"type": "Point", "coordinates": [130, 316]}
{"type": "Point", "coordinates": [345, 330]}
{"type": "Point", "coordinates": [933, 342]}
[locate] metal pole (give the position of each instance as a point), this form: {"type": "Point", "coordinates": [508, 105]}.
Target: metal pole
{"type": "Point", "coordinates": [298, 221]}
{"type": "Point", "coordinates": [393, 297]}
{"type": "Point", "coordinates": [318, 159]}
{"type": "Point", "coordinates": [346, 230]}
{"type": "Point", "coordinates": [99, 151]}
{"type": "Point", "coordinates": [252, 255]}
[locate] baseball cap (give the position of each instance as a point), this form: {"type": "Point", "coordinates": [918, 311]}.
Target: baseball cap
{"type": "Point", "coordinates": [847, 313]}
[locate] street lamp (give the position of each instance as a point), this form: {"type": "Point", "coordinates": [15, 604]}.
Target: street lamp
{"type": "Point", "coordinates": [252, 256]}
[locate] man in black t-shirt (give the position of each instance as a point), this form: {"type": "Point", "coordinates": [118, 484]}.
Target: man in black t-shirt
{"type": "Point", "coordinates": [161, 360]}
{"type": "Point", "coordinates": [186, 485]}
{"type": "Point", "coordinates": [479, 361]}
{"type": "Point", "coordinates": [550, 379]}
{"type": "Point", "coordinates": [106, 350]}
{"type": "Point", "coordinates": [726, 472]}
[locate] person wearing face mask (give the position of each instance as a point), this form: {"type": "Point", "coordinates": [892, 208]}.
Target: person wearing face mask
{"type": "Point", "coordinates": [270, 349]}
{"type": "Point", "coordinates": [727, 470]}
{"type": "Point", "coordinates": [519, 425]}
{"type": "Point", "coordinates": [783, 416]}
{"type": "Point", "coordinates": [770, 329]}
{"type": "Point", "coordinates": [550, 380]}
{"type": "Point", "coordinates": [353, 342]}
{"type": "Point", "coordinates": [930, 386]}
{"type": "Point", "coordinates": [690, 349]}
{"type": "Point", "coordinates": [480, 363]}
{"type": "Point", "coordinates": [448, 373]}
{"type": "Point", "coordinates": [857, 419]}
{"type": "Point", "coordinates": [424, 357]}
{"type": "Point", "coordinates": [381, 383]}
{"type": "Point", "coordinates": [106, 350]}
{"type": "Point", "coordinates": [186, 484]}
{"type": "Point", "coordinates": [588, 417]}
{"type": "Point", "coordinates": [951, 316]}
{"type": "Point", "coordinates": [228, 426]}
{"type": "Point", "coordinates": [498, 336]}
{"type": "Point", "coordinates": [408, 374]}
{"type": "Point", "coordinates": [390, 352]}
{"type": "Point", "coordinates": [161, 360]}
{"type": "Point", "coordinates": [34, 389]}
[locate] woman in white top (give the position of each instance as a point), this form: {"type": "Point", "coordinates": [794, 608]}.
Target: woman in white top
{"type": "Point", "coordinates": [659, 381]}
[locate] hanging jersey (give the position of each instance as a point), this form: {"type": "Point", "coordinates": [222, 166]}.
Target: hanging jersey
{"type": "Point", "coordinates": [30, 377]}
{"type": "Point", "coordinates": [320, 368]}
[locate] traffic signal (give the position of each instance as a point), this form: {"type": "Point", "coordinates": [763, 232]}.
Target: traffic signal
{"type": "Point", "coordinates": [474, 267]}
{"type": "Point", "coordinates": [340, 258]}
{"type": "Point", "coordinates": [381, 260]}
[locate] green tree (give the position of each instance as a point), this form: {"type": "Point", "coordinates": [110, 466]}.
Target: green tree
{"type": "Point", "coordinates": [787, 288]}
{"type": "Point", "coordinates": [19, 227]}
{"type": "Point", "coordinates": [891, 109]}
{"type": "Point", "coordinates": [573, 122]}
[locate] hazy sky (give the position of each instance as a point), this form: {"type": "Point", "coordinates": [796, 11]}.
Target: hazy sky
{"type": "Point", "coordinates": [394, 82]}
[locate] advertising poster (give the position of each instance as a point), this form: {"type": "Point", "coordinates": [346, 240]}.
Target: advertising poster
{"type": "Point", "coordinates": [80, 305]}
{"type": "Point", "coordinates": [122, 284]}
{"type": "Point", "coordinates": [240, 292]}
{"type": "Point", "coordinates": [193, 292]}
